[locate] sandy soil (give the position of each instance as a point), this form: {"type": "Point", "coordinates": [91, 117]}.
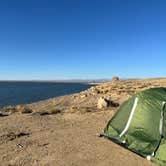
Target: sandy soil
{"type": "Point", "coordinates": [61, 140]}
{"type": "Point", "coordinates": [63, 131]}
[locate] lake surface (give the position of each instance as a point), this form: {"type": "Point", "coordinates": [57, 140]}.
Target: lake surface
{"type": "Point", "coordinates": [12, 93]}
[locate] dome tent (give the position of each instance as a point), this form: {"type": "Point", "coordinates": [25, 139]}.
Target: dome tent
{"type": "Point", "coordinates": [140, 125]}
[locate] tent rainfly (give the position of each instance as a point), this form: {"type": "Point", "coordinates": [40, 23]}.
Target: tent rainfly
{"type": "Point", "coordinates": [140, 125]}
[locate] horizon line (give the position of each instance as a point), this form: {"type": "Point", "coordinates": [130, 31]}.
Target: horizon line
{"type": "Point", "coordinates": [59, 80]}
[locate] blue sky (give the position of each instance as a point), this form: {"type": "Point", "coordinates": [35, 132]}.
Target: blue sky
{"type": "Point", "coordinates": [86, 39]}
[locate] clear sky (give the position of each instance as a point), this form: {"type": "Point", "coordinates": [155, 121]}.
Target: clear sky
{"type": "Point", "coordinates": [71, 39]}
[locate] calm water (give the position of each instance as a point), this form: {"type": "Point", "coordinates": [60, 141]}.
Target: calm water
{"type": "Point", "coordinates": [12, 93]}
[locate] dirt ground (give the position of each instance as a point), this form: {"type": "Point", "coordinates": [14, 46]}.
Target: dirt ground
{"type": "Point", "coordinates": [63, 131]}
{"type": "Point", "coordinates": [61, 140]}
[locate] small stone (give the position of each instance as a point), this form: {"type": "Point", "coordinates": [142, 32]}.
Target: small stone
{"type": "Point", "coordinates": [20, 145]}
{"type": "Point", "coordinates": [26, 110]}
{"type": "Point", "coordinates": [84, 95]}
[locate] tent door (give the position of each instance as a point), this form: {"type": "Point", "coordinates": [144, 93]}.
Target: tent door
{"type": "Point", "coordinates": [161, 130]}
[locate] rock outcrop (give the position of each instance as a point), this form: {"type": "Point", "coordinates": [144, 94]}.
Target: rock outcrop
{"type": "Point", "coordinates": [115, 78]}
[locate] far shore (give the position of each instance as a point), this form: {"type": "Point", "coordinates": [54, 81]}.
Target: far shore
{"type": "Point", "coordinates": [56, 81]}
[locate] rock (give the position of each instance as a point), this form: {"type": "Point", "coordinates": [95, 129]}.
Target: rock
{"type": "Point", "coordinates": [26, 110]}
{"type": "Point", "coordinates": [96, 90]}
{"type": "Point", "coordinates": [106, 97]}
{"type": "Point", "coordinates": [9, 109]}
{"type": "Point", "coordinates": [83, 96]}
{"type": "Point", "coordinates": [19, 145]}
{"type": "Point", "coordinates": [102, 103]}
{"type": "Point", "coordinates": [19, 107]}
{"type": "Point", "coordinates": [105, 102]}
{"type": "Point", "coordinates": [4, 114]}
{"type": "Point", "coordinates": [113, 104]}
{"type": "Point", "coordinates": [5, 111]}
{"type": "Point", "coordinates": [54, 111]}
{"type": "Point", "coordinates": [115, 78]}
{"type": "Point", "coordinates": [73, 109]}
{"type": "Point", "coordinates": [75, 96]}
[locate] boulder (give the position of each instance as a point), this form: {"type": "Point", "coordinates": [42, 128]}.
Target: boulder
{"type": "Point", "coordinates": [105, 102]}
{"type": "Point", "coordinates": [102, 103]}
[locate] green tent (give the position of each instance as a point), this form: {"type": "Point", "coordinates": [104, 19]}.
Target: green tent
{"type": "Point", "coordinates": [140, 125]}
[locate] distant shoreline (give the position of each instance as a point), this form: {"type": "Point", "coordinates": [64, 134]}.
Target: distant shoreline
{"type": "Point", "coordinates": [89, 81]}
{"type": "Point", "coordinates": [42, 81]}
{"type": "Point", "coordinates": [45, 81]}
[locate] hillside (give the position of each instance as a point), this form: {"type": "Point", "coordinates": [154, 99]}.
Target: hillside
{"type": "Point", "coordinates": [63, 131]}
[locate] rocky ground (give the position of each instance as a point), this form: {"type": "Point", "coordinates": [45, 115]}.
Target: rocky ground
{"type": "Point", "coordinates": [63, 131]}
